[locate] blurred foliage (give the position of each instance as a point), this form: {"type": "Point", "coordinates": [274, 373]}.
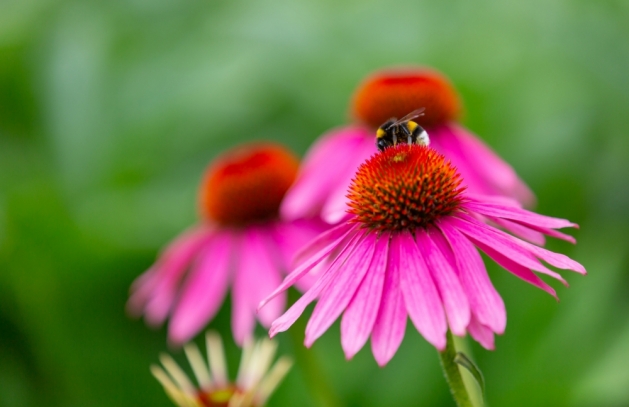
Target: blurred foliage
{"type": "Point", "coordinates": [109, 111]}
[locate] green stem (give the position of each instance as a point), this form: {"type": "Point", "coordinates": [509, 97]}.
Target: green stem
{"type": "Point", "coordinates": [306, 359]}
{"type": "Point", "coordinates": [453, 374]}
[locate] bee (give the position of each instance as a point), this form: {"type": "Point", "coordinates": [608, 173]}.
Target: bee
{"type": "Point", "coordinates": [404, 130]}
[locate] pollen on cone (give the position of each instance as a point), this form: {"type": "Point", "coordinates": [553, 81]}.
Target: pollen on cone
{"type": "Point", "coordinates": [247, 184]}
{"type": "Point", "coordinates": [397, 92]}
{"type": "Point", "coordinates": [403, 188]}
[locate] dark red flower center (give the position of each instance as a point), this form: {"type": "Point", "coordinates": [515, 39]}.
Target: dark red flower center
{"type": "Point", "coordinates": [397, 92]}
{"type": "Point", "coordinates": [403, 188]}
{"type": "Point", "coordinates": [247, 184]}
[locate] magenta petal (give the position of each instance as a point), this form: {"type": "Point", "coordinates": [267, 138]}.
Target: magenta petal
{"type": "Point", "coordinates": [485, 301]}
{"type": "Point", "coordinates": [524, 232]}
{"type": "Point", "coordinates": [290, 316]}
{"type": "Point", "coordinates": [509, 246]}
{"type": "Point", "coordinates": [310, 263]}
{"type": "Point", "coordinates": [455, 301]}
{"type": "Point", "coordinates": [517, 214]}
{"type": "Point", "coordinates": [336, 207]}
{"type": "Point", "coordinates": [516, 269]}
{"type": "Point", "coordinates": [418, 289]}
{"type": "Point", "coordinates": [497, 176]}
{"type": "Point", "coordinates": [169, 269]}
{"type": "Point", "coordinates": [243, 317]}
{"type": "Point", "coordinates": [481, 334]}
{"type": "Point", "coordinates": [360, 315]}
{"type": "Point", "coordinates": [320, 242]}
{"type": "Point", "coordinates": [390, 325]}
{"type": "Point", "coordinates": [341, 289]}
{"type": "Point", "coordinates": [319, 172]}
{"type": "Point", "coordinates": [204, 290]}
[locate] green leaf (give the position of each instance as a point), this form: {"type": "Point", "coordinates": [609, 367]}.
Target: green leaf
{"type": "Point", "coordinates": [467, 363]}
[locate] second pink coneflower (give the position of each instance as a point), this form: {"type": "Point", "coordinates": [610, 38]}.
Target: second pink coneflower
{"type": "Point", "coordinates": [327, 169]}
{"type": "Point", "coordinates": [409, 248]}
{"type": "Point", "coordinates": [239, 242]}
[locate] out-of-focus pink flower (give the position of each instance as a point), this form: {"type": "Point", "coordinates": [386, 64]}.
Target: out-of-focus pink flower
{"type": "Point", "coordinates": [408, 246]}
{"type": "Point", "coordinates": [255, 383]}
{"type": "Point", "coordinates": [239, 242]}
{"type": "Point", "coordinates": [329, 165]}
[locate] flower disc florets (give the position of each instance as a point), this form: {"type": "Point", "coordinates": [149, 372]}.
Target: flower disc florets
{"type": "Point", "coordinates": [397, 92]}
{"type": "Point", "coordinates": [247, 184]}
{"type": "Point", "coordinates": [403, 188]}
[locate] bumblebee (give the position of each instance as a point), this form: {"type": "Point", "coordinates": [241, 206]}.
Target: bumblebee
{"type": "Point", "coordinates": [404, 130]}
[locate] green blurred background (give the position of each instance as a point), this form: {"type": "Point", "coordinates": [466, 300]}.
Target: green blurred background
{"type": "Point", "coordinates": [110, 109]}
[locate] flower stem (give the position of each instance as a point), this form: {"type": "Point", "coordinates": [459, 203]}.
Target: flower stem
{"type": "Point", "coordinates": [453, 374]}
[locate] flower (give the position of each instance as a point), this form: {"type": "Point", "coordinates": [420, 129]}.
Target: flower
{"type": "Point", "coordinates": [252, 388]}
{"type": "Point", "coordinates": [409, 246]}
{"type": "Point", "coordinates": [330, 163]}
{"type": "Point", "coordinates": [239, 242]}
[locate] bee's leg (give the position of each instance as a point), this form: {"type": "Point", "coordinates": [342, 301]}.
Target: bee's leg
{"type": "Point", "coordinates": [407, 133]}
{"type": "Point", "coordinates": [394, 139]}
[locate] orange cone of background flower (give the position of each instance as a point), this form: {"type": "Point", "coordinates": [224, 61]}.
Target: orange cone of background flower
{"type": "Point", "coordinates": [240, 241]}
{"type": "Point", "coordinates": [327, 169]}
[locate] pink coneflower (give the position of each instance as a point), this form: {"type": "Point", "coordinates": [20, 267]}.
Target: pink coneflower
{"type": "Point", "coordinates": [239, 242]}
{"type": "Point", "coordinates": [410, 247]}
{"type": "Point", "coordinates": [252, 388]}
{"type": "Point", "coordinates": [328, 167]}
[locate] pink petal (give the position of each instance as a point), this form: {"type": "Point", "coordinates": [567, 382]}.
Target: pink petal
{"type": "Point", "coordinates": [320, 242]}
{"type": "Point", "coordinates": [291, 237]}
{"type": "Point", "coordinates": [310, 263]}
{"type": "Point", "coordinates": [509, 246]}
{"type": "Point", "coordinates": [485, 301]}
{"type": "Point", "coordinates": [455, 301]}
{"type": "Point", "coordinates": [360, 315]}
{"type": "Point", "coordinates": [420, 294]}
{"type": "Point", "coordinates": [516, 269]}
{"type": "Point", "coordinates": [335, 207]}
{"type": "Point", "coordinates": [496, 173]}
{"type": "Point", "coordinates": [481, 334]}
{"type": "Point", "coordinates": [243, 317]}
{"type": "Point", "coordinates": [517, 214]}
{"type": "Point", "coordinates": [203, 291]}
{"type": "Point", "coordinates": [521, 231]}
{"type": "Point", "coordinates": [290, 316]}
{"type": "Point", "coordinates": [319, 172]}
{"type": "Point", "coordinates": [169, 270]}
{"type": "Point", "coordinates": [390, 325]}
{"type": "Point", "coordinates": [341, 289]}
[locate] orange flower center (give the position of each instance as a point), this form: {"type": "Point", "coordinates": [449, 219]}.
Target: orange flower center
{"type": "Point", "coordinates": [397, 92]}
{"type": "Point", "coordinates": [403, 188]}
{"type": "Point", "coordinates": [247, 184]}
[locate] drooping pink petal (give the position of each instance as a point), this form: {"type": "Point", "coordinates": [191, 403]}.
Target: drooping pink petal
{"type": "Point", "coordinates": [320, 242]}
{"type": "Point", "coordinates": [521, 231]}
{"type": "Point", "coordinates": [360, 315]}
{"type": "Point", "coordinates": [455, 302]}
{"type": "Point", "coordinates": [169, 269]}
{"type": "Point", "coordinates": [485, 301]}
{"type": "Point", "coordinates": [498, 177]}
{"type": "Point", "coordinates": [516, 269]}
{"type": "Point", "coordinates": [390, 324]}
{"type": "Point", "coordinates": [336, 205]}
{"type": "Point", "coordinates": [265, 273]}
{"type": "Point", "coordinates": [243, 317]}
{"type": "Point", "coordinates": [509, 246]}
{"type": "Point", "coordinates": [290, 316]}
{"type": "Point", "coordinates": [319, 172]}
{"type": "Point", "coordinates": [337, 295]}
{"type": "Point", "coordinates": [311, 262]}
{"type": "Point", "coordinates": [291, 237]}
{"type": "Point", "coordinates": [203, 291]}
{"type": "Point", "coordinates": [481, 333]}
{"type": "Point", "coordinates": [517, 214]}
{"type": "Point", "coordinates": [418, 289]}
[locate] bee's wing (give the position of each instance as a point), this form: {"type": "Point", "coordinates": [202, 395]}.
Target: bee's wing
{"type": "Point", "coordinates": [415, 113]}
